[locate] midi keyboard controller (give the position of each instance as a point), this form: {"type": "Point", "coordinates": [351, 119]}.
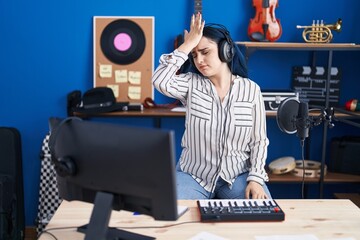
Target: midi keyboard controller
{"type": "Point", "coordinates": [217, 210]}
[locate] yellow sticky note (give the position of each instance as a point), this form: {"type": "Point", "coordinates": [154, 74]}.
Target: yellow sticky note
{"type": "Point", "coordinates": [121, 76]}
{"type": "Point", "coordinates": [134, 92]}
{"type": "Point", "coordinates": [105, 71]}
{"type": "Point", "coordinates": [115, 89]}
{"type": "Point", "coordinates": [135, 77]}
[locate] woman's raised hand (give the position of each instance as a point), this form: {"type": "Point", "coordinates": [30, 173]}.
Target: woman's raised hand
{"type": "Point", "coordinates": [193, 37]}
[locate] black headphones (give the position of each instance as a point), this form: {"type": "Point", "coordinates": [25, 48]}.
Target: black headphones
{"type": "Point", "coordinates": [64, 166]}
{"type": "Point", "coordinates": [226, 46]}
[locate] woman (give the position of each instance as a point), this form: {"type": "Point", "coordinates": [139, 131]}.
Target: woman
{"type": "Point", "coordinates": [224, 143]}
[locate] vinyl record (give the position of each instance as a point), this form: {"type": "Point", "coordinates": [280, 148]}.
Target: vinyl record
{"type": "Point", "coordinates": [122, 41]}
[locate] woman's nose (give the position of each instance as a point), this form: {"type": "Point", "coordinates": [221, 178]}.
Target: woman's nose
{"type": "Point", "coordinates": [199, 59]}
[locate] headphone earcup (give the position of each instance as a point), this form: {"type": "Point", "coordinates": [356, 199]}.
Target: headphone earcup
{"type": "Point", "coordinates": [65, 167]}
{"type": "Point", "coordinates": [226, 51]}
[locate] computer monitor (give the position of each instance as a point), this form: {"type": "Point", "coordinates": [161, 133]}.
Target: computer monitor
{"type": "Point", "coordinates": [116, 167]}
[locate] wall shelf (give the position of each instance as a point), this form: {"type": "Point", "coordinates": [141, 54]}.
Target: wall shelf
{"type": "Point", "coordinates": [330, 177]}
{"type": "Point", "coordinates": [250, 47]}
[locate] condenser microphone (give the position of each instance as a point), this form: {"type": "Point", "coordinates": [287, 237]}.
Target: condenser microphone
{"type": "Point", "coordinates": [302, 121]}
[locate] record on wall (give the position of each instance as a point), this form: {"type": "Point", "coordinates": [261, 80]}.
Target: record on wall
{"type": "Point", "coordinates": [124, 56]}
{"type": "Point", "coordinates": [122, 41]}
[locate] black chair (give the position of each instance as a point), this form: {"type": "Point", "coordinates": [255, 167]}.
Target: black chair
{"type": "Point", "coordinates": [12, 217]}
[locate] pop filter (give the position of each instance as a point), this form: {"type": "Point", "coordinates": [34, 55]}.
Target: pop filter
{"type": "Point", "coordinates": [287, 114]}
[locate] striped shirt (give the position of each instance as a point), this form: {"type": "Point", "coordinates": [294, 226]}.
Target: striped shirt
{"type": "Point", "coordinates": [222, 138]}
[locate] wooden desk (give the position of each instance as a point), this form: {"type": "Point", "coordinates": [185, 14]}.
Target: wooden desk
{"type": "Point", "coordinates": [156, 113]}
{"type": "Point", "coordinates": [326, 219]}
{"type": "Point", "coordinates": [147, 112]}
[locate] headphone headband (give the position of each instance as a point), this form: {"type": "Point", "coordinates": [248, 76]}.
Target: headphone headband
{"type": "Point", "coordinates": [221, 28]}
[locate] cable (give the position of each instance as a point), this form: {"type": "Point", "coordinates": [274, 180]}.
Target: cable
{"type": "Point", "coordinates": [302, 143]}
{"type": "Point", "coordinates": [163, 226]}
{"type": "Point", "coordinates": [48, 231]}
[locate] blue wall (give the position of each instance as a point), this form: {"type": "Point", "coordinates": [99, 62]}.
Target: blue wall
{"type": "Point", "coordinates": [46, 52]}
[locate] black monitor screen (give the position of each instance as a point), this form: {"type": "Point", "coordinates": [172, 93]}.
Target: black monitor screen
{"type": "Point", "coordinates": [133, 166]}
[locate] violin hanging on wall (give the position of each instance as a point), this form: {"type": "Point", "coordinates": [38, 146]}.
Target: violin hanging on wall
{"type": "Point", "coordinates": [264, 26]}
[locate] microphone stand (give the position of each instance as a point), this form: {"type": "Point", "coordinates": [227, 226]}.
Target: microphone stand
{"type": "Point", "coordinates": [352, 114]}
{"type": "Point", "coordinates": [325, 116]}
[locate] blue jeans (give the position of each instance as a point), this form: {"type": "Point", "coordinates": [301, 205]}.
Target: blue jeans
{"type": "Point", "coordinates": [189, 188]}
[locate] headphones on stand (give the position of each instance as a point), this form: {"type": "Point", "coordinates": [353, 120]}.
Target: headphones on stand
{"type": "Point", "coordinates": [63, 165]}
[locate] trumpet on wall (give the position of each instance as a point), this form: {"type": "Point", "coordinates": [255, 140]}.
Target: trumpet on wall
{"type": "Point", "coordinates": [318, 32]}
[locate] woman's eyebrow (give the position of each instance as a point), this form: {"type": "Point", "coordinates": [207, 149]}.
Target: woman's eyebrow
{"type": "Point", "coordinates": [200, 50]}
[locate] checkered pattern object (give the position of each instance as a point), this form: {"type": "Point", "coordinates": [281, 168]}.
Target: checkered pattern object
{"type": "Point", "coordinates": [49, 199]}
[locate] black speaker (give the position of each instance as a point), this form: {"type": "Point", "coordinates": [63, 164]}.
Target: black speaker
{"type": "Point", "coordinates": [12, 212]}
{"type": "Point", "coordinates": [345, 155]}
